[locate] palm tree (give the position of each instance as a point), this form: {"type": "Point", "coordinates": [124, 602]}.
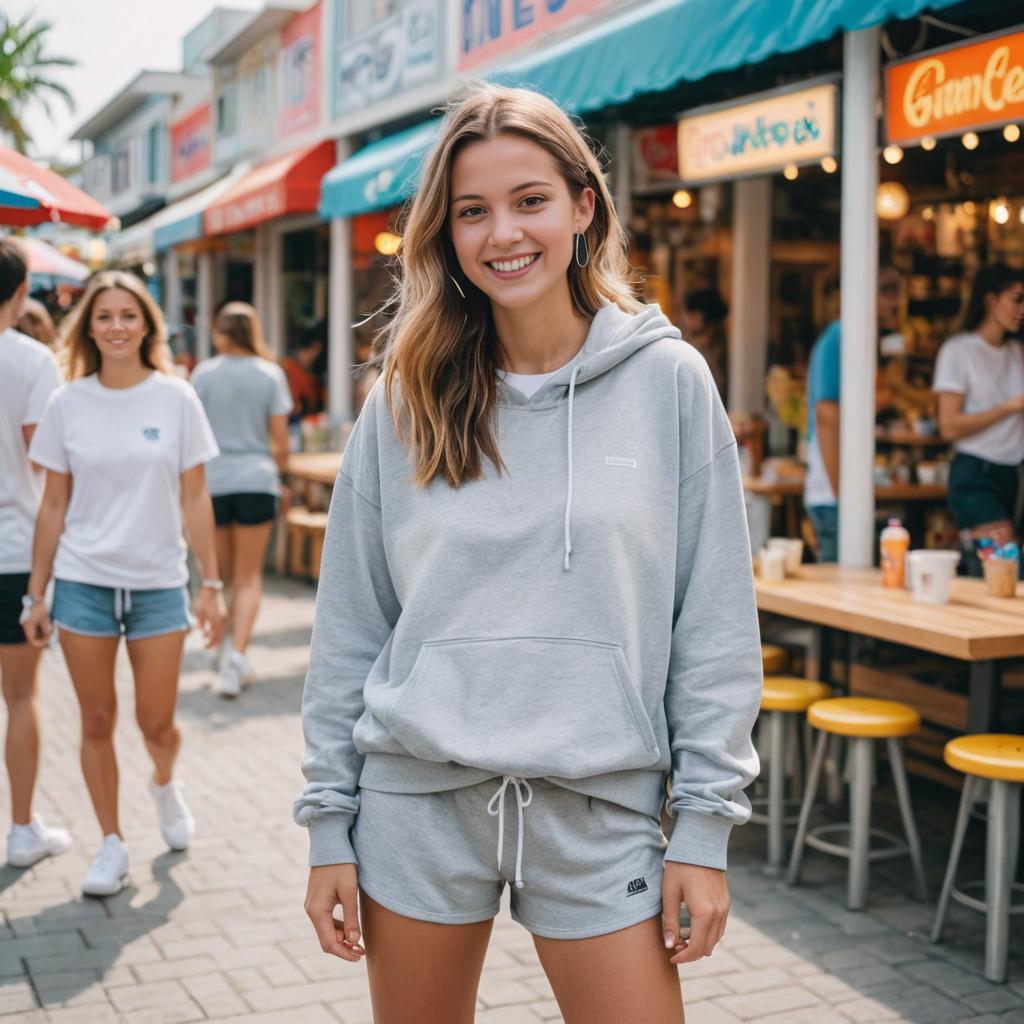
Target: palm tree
{"type": "Point", "coordinates": [24, 65]}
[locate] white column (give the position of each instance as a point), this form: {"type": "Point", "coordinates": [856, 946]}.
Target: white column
{"type": "Point", "coordinates": [748, 302]}
{"type": "Point", "coordinates": [172, 292]}
{"type": "Point", "coordinates": [274, 322]}
{"type": "Point", "coordinates": [205, 298]}
{"type": "Point", "coordinates": [622, 185]}
{"type": "Point", "coordinates": [858, 288]}
{"type": "Point", "coordinates": [340, 316]}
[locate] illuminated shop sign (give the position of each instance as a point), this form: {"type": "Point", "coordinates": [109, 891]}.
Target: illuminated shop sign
{"type": "Point", "coordinates": [971, 85]}
{"type": "Point", "coordinates": [760, 134]}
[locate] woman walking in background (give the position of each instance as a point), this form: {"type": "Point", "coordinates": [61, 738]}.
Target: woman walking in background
{"type": "Point", "coordinates": [979, 379]}
{"type": "Point", "coordinates": [28, 376]}
{"type": "Point", "coordinates": [123, 445]}
{"type": "Point", "coordinates": [247, 400]}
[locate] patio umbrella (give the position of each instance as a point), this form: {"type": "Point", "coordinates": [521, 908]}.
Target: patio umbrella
{"type": "Point", "coordinates": [56, 198]}
{"type": "Point", "coordinates": [43, 258]}
{"type": "Point", "coordinates": [12, 193]}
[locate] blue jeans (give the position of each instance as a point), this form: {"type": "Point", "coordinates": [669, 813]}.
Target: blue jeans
{"type": "Point", "coordinates": [825, 520]}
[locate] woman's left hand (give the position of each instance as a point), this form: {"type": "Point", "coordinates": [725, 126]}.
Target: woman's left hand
{"type": "Point", "coordinates": [212, 615]}
{"type": "Point", "coordinates": [706, 895]}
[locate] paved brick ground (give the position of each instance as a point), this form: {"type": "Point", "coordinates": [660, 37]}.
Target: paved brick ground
{"type": "Point", "coordinates": [219, 933]}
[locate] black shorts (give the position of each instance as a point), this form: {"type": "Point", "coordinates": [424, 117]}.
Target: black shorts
{"type": "Point", "coordinates": [13, 587]}
{"type": "Point", "coordinates": [244, 509]}
{"type": "Point", "coordinates": [981, 491]}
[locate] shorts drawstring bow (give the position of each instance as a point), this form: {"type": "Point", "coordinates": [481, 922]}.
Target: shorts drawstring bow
{"type": "Point", "coordinates": [497, 807]}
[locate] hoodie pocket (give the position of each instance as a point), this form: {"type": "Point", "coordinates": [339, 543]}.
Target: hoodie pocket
{"type": "Point", "coordinates": [524, 706]}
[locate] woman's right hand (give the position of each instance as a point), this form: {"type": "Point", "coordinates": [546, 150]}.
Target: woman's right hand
{"type": "Point", "coordinates": [330, 886]}
{"type": "Point", "coordinates": [37, 625]}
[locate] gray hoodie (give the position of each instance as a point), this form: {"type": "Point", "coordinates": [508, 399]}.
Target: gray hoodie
{"type": "Point", "coordinates": [587, 616]}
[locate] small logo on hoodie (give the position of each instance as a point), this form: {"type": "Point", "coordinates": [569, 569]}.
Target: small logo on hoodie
{"type": "Point", "coordinates": [151, 433]}
{"type": "Point", "coordinates": [636, 886]}
{"type": "Point", "coordinates": [618, 460]}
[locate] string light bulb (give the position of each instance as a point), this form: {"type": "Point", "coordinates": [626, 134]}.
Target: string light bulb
{"type": "Point", "coordinates": [1011, 132]}
{"type": "Point", "coordinates": [790, 172]}
{"type": "Point", "coordinates": [892, 154]}
{"type": "Point", "coordinates": [829, 165]}
{"type": "Point", "coordinates": [682, 199]}
{"type": "Point", "coordinates": [970, 140]}
{"type": "Point", "coordinates": [928, 143]}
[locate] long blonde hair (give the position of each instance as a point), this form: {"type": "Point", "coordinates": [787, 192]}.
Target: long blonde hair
{"type": "Point", "coordinates": [440, 349]}
{"type": "Point", "coordinates": [239, 323]}
{"type": "Point", "coordinates": [83, 357]}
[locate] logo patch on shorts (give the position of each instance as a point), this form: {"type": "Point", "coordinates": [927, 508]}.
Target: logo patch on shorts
{"type": "Point", "coordinates": [637, 885]}
{"type": "Point", "coordinates": [151, 433]}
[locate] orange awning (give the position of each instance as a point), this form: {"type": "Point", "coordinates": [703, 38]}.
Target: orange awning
{"type": "Point", "coordinates": [288, 184]}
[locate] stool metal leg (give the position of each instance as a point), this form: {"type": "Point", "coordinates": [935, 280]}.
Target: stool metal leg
{"type": "Point", "coordinates": [1000, 865]}
{"type": "Point", "coordinates": [962, 818]}
{"type": "Point", "coordinates": [899, 778]}
{"type": "Point", "coordinates": [862, 751]}
{"type": "Point", "coordinates": [805, 810]}
{"type": "Point", "coordinates": [776, 789]}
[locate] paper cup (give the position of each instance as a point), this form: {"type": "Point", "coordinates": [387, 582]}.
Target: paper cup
{"type": "Point", "coordinates": [773, 565]}
{"type": "Point", "coordinates": [931, 574]}
{"type": "Point", "coordinates": [1001, 576]}
{"type": "Point", "coordinates": [793, 551]}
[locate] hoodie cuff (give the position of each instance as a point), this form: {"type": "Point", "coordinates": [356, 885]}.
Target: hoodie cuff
{"type": "Point", "coordinates": [328, 840]}
{"type": "Point", "coordinates": [699, 839]}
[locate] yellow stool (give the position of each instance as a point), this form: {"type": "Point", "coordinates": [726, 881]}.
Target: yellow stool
{"type": "Point", "coordinates": [782, 699]}
{"type": "Point", "coordinates": [861, 721]}
{"type": "Point", "coordinates": [997, 760]}
{"type": "Point", "coordinates": [774, 660]}
{"type": "Point", "coordinates": [306, 531]}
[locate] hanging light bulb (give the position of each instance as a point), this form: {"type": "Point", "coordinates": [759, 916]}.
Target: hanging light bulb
{"type": "Point", "coordinates": [892, 154]}
{"type": "Point", "coordinates": [927, 143]}
{"type": "Point", "coordinates": [1011, 132]}
{"type": "Point", "coordinates": [999, 211]}
{"type": "Point", "coordinates": [386, 243]}
{"type": "Point", "coordinates": [928, 213]}
{"type": "Point", "coordinates": [969, 208]}
{"type": "Point", "coordinates": [790, 172]}
{"type": "Point", "coordinates": [892, 200]}
{"type": "Point", "coordinates": [682, 199]}
{"type": "Point", "coordinates": [829, 165]}
{"type": "Point", "coordinates": [970, 140]}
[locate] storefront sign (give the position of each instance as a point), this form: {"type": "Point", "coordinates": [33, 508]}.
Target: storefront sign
{"type": "Point", "coordinates": [386, 56]}
{"type": "Point", "coordinates": [298, 73]}
{"type": "Point", "coordinates": [494, 27]}
{"type": "Point", "coordinates": [760, 135]}
{"type": "Point", "coordinates": [971, 85]}
{"type": "Point", "coordinates": [191, 149]}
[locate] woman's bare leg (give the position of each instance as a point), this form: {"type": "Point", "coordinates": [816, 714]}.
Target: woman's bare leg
{"type": "Point", "coordinates": [438, 966]}
{"type": "Point", "coordinates": [621, 977]}
{"type": "Point", "coordinates": [91, 664]}
{"type": "Point", "coordinates": [249, 550]}
{"type": "Point", "coordinates": [19, 666]}
{"type": "Point", "coordinates": [156, 666]}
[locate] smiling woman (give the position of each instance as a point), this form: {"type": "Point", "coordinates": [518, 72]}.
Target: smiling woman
{"type": "Point", "coordinates": [554, 608]}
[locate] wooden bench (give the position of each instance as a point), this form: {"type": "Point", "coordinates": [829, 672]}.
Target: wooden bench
{"type": "Point", "coordinates": [305, 541]}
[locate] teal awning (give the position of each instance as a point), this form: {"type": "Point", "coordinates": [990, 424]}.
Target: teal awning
{"type": "Point", "coordinates": [642, 50]}
{"type": "Point", "coordinates": [382, 174]}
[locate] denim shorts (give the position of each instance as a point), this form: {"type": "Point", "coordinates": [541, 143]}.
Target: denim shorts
{"type": "Point", "coordinates": [110, 611]}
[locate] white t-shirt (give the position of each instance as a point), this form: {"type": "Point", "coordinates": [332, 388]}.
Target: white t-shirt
{"type": "Point", "coordinates": [528, 383]}
{"type": "Point", "coordinates": [986, 376]}
{"type": "Point", "coordinates": [28, 376]}
{"type": "Point", "coordinates": [125, 449]}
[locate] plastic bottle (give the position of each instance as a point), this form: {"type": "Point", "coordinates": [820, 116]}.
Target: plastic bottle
{"type": "Point", "coordinates": [893, 545]}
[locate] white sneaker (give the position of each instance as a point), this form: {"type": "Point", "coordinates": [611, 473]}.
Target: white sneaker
{"type": "Point", "coordinates": [242, 665]}
{"type": "Point", "coordinates": [176, 821]}
{"type": "Point", "coordinates": [229, 684]}
{"type": "Point", "coordinates": [108, 873]}
{"type": "Point", "coordinates": [28, 844]}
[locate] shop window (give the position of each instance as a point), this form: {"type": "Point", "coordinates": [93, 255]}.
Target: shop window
{"type": "Point", "coordinates": [153, 153]}
{"type": "Point", "coordinates": [227, 103]}
{"type": "Point", "coordinates": [121, 170]}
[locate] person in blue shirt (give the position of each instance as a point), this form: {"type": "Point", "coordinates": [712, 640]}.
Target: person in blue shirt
{"type": "Point", "coordinates": [821, 485]}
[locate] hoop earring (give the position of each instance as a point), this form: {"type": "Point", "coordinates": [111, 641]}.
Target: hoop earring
{"type": "Point", "coordinates": [585, 261]}
{"type": "Point", "coordinates": [457, 288]}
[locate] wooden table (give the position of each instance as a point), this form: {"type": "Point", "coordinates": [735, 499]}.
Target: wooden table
{"type": "Point", "coordinates": [314, 467]}
{"type": "Point", "coordinates": [975, 628]}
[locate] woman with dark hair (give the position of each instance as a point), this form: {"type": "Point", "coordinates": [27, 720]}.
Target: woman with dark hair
{"type": "Point", "coordinates": [246, 397]}
{"type": "Point", "coordinates": [979, 380]}
{"type": "Point", "coordinates": [704, 313]}
{"type": "Point", "coordinates": [123, 445]}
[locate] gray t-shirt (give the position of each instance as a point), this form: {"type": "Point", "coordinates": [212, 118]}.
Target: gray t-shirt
{"type": "Point", "coordinates": [240, 394]}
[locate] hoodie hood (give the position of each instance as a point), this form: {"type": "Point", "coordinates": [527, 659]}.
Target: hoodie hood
{"type": "Point", "coordinates": [613, 337]}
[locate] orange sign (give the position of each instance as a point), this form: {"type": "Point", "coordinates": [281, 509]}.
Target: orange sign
{"type": "Point", "coordinates": [972, 85]}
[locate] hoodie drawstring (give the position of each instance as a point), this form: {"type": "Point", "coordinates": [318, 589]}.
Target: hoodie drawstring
{"type": "Point", "coordinates": [497, 807]}
{"type": "Point", "coordinates": [568, 493]}
{"type": "Point", "coordinates": [122, 603]}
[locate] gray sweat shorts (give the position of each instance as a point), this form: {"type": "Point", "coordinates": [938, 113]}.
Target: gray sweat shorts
{"type": "Point", "coordinates": [578, 866]}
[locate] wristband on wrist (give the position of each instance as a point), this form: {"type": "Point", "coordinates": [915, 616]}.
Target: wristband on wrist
{"type": "Point", "coordinates": [29, 601]}
{"type": "Point", "coordinates": [213, 584]}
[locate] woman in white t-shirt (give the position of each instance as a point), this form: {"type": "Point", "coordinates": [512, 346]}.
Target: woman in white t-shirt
{"type": "Point", "coordinates": [979, 380]}
{"type": "Point", "coordinates": [247, 399]}
{"type": "Point", "coordinates": [123, 445]}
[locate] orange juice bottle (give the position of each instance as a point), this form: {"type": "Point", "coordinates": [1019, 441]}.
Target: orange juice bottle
{"type": "Point", "coordinates": [894, 543]}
